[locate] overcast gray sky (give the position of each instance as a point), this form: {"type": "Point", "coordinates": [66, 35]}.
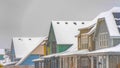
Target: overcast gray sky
{"type": "Point", "coordinates": [33, 17]}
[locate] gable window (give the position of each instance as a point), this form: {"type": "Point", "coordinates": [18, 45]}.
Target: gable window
{"type": "Point", "coordinates": [103, 41]}
{"type": "Point", "coordinates": [84, 41]}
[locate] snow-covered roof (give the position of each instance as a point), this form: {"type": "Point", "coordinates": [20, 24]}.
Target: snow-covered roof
{"type": "Point", "coordinates": [40, 59]}
{"type": "Point", "coordinates": [2, 51]}
{"type": "Point", "coordinates": [65, 31]}
{"type": "Point", "coordinates": [92, 30]}
{"type": "Point", "coordinates": [24, 45]}
{"type": "Point", "coordinates": [40, 42]}
{"type": "Point", "coordinates": [84, 51]}
{"type": "Point", "coordinates": [107, 50]}
{"type": "Point", "coordinates": [9, 63]}
{"type": "Point", "coordinates": [110, 21]}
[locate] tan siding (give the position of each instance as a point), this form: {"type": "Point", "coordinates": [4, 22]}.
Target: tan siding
{"type": "Point", "coordinates": [89, 40]}
{"type": "Point", "coordinates": [39, 50]}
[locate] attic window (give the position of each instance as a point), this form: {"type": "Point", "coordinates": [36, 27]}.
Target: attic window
{"type": "Point", "coordinates": [83, 23]}
{"type": "Point", "coordinates": [66, 22]}
{"type": "Point", "coordinates": [29, 38]}
{"type": "Point", "coordinates": [58, 22]}
{"type": "Point", "coordinates": [116, 15]}
{"type": "Point", "coordinates": [75, 23]}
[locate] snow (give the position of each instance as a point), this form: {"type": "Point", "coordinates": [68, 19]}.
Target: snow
{"type": "Point", "coordinates": [92, 30]}
{"type": "Point", "coordinates": [40, 42]}
{"type": "Point", "coordinates": [110, 21]}
{"type": "Point", "coordinates": [9, 63]}
{"type": "Point", "coordinates": [2, 51]}
{"type": "Point", "coordinates": [105, 50]}
{"type": "Point", "coordinates": [24, 45]}
{"type": "Point", "coordinates": [40, 59]}
{"type": "Point", "coordinates": [84, 51]}
{"type": "Point", "coordinates": [65, 33]}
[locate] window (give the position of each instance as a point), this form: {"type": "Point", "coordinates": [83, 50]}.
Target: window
{"type": "Point", "coordinates": [116, 15]}
{"type": "Point", "coordinates": [117, 19]}
{"type": "Point", "coordinates": [84, 41]}
{"type": "Point", "coordinates": [103, 41]}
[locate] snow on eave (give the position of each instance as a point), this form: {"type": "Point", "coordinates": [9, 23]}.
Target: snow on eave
{"type": "Point", "coordinates": [114, 36]}
{"type": "Point", "coordinates": [9, 63]}
{"type": "Point", "coordinates": [84, 51]}
{"type": "Point", "coordinates": [39, 43]}
{"type": "Point", "coordinates": [92, 30]}
{"type": "Point", "coordinates": [40, 59]}
{"type": "Point", "coordinates": [87, 27]}
{"type": "Point", "coordinates": [107, 50]}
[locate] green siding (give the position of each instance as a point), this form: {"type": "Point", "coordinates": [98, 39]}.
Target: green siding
{"type": "Point", "coordinates": [51, 39]}
{"type": "Point", "coordinates": [1, 57]}
{"type": "Point", "coordinates": [61, 48]}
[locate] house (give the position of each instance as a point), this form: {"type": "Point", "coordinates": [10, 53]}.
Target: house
{"type": "Point", "coordinates": [62, 35]}
{"type": "Point", "coordinates": [24, 50]}
{"type": "Point", "coordinates": [107, 35]}
{"type": "Point", "coordinates": [64, 32]}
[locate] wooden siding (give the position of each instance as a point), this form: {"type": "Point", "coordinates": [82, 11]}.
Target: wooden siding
{"type": "Point", "coordinates": [51, 41]}
{"type": "Point", "coordinates": [61, 48]}
{"type": "Point", "coordinates": [114, 61]}
{"type": "Point", "coordinates": [116, 41]}
{"type": "Point", "coordinates": [86, 41]}
{"type": "Point", "coordinates": [28, 60]}
{"type": "Point", "coordinates": [39, 50]}
{"type": "Point", "coordinates": [52, 46]}
{"type": "Point", "coordinates": [102, 28]}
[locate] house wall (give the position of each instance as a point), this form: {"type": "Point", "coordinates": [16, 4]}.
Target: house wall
{"type": "Point", "coordinates": [82, 38]}
{"type": "Point", "coordinates": [28, 60]}
{"type": "Point", "coordinates": [61, 48]}
{"type": "Point", "coordinates": [52, 46]}
{"type": "Point", "coordinates": [39, 50]}
{"type": "Point", "coordinates": [86, 41]}
{"type": "Point", "coordinates": [12, 57]}
{"type": "Point", "coordinates": [116, 41]}
{"type": "Point", "coordinates": [102, 28]}
{"type": "Point", "coordinates": [114, 61]}
{"type": "Point", "coordinates": [51, 42]}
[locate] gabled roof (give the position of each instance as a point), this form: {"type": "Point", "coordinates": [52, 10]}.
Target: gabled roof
{"type": "Point", "coordinates": [110, 21]}
{"type": "Point", "coordinates": [24, 45]}
{"type": "Point", "coordinates": [65, 31]}
{"type": "Point", "coordinates": [41, 41]}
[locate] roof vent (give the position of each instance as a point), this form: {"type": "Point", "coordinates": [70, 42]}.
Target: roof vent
{"type": "Point", "coordinates": [66, 22]}
{"type": "Point", "coordinates": [75, 23]}
{"type": "Point", "coordinates": [83, 23]}
{"type": "Point", "coordinates": [29, 38]}
{"type": "Point", "coordinates": [58, 22]}
{"type": "Point", "coordinates": [19, 39]}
